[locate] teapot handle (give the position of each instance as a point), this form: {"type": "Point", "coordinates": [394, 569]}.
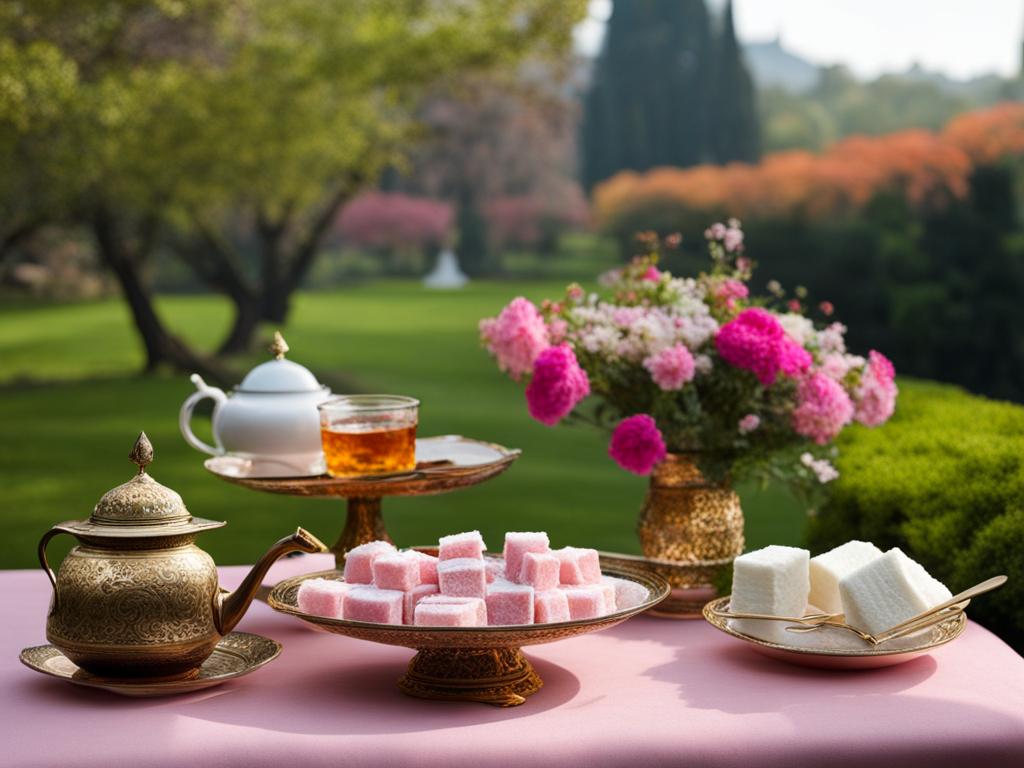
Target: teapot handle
{"type": "Point", "coordinates": [185, 415]}
{"type": "Point", "coordinates": [43, 562]}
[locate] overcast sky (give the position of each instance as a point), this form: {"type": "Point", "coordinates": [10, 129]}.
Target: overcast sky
{"type": "Point", "coordinates": [961, 38]}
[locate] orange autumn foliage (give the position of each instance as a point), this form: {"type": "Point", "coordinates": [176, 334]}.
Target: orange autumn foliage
{"type": "Point", "coordinates": [923, 166]}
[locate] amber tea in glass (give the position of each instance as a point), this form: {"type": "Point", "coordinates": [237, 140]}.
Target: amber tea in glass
{"type": "Point", "coordinates": [369, 434]}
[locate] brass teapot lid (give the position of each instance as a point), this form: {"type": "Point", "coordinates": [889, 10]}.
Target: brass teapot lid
{"type": "Point", "coordinates": [142, 507]}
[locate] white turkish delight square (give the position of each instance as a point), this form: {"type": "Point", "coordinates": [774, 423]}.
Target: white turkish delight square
{"type": "Point", "coordinates": [772, 581]}
{"type": "Point", "coordinates": [887, 591]}
{"type": "Point", "coordinates": [828, 568]}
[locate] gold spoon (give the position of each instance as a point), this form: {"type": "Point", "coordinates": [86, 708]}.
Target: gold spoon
{"type": "Point", "coordinates": [937, 613]}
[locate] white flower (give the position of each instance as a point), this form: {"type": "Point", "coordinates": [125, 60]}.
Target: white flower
{"type": "Point", "coordinates": [831, 339]}
{"type": "Point", "coordinates": [821, 468]}
{"type": "Point", "coordinates": [797, 327]}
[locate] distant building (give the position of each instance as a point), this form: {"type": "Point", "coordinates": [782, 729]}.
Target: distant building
{"type": "Point", "coordinates": [772, 66]}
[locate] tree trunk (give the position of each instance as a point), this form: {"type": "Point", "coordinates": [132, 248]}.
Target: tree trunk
{"type": "Point", "coordinates": [126, 264]}
{"type": "Point", "coordinates": [243, 329]}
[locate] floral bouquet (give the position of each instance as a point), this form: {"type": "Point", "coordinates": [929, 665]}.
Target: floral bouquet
{"type": "Point", "coordinates": [751, 386]}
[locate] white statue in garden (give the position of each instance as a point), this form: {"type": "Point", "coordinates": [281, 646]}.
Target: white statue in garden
{"type": "Point", "coordinates": [446, 273]}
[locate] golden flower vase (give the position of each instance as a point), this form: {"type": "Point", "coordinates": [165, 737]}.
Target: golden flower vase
{"type": "Point", "coordinates": [690, 531]}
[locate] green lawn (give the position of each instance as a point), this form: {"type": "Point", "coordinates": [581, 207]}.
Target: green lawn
{"type": "Point", "coordinates": [71, 404]}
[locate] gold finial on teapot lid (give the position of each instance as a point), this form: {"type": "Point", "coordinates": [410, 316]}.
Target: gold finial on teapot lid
{"type": "Point", "coordinates": [142, 453]}
{"type": "Point", "coordinates": [278, 346]}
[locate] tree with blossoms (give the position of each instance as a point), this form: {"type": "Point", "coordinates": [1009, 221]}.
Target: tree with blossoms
{"type": "Point", "coordinates": [752, 386]}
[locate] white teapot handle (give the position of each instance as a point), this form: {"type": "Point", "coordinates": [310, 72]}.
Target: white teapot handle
{"type": "Point", "coordinates": [185, 415]}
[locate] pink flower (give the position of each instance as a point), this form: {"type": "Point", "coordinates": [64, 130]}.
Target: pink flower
{"type": "Point", "coordinates": [826, 308]}
{"type": "Point", "coordinates": [557, 330]}
{"type": "Point", "coordinates": [743, 264]}
{"type": "Point", "coordinates": [732, 289]}
{"type": "Point", "coordinates": [749, 423]}
{"type": "Point", "coordinates": [558, 384]}
{"type": "Point", "coordinates": [823, 408]}
{"type": "Point", "coordinates": [652, 275]}
{"type": "Point", "coordinates": [835, 366]}
{"type": "Point", "coordinates": [715, 232]}
{"type": "Point", "coordinates": [793, 305]}
{"type": "Point", "coordinates": [876, 395]}
{"type": "Point", "coordinates": [733, 239]}
{"type": "Point", "coordinates": [756, 342]}
{"type": "Point", "coordinates": [516, 337]}
{"type": "Point", "coordinates": [671, 368]}
{"type": "Point", "coordinates": [637, 445]}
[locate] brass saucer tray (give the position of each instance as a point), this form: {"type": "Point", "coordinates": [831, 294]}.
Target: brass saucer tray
{"type": "Point", "coordinates": [364, 521]}
{"type": "Point", "coordinates": [866, 657]}
{"type": "Point", "coordinates": [482, 664]}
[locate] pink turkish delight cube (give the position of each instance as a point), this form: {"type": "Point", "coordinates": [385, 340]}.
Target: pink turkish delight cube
{"type": "Point", "coordinates": [428, 566]}
{"type": "Point", "coordinates": [398, 571]}
{"type": "Point", "coordinates": [550, 606]}
{"type": "Point", "coordinates": [413, 596]}
{"type": "Point", "coordinates": [359, 561]}
{"type": "Point", "coordinates": [380, 606]}
{"type": "Point", "coordinates": [585, 602]}
{"type": "Point", "coordinates": [509, 604]}
{"type": "Point", "coordinates": [322, 597]}
{"type": "Point", "coordinates": [462, 545]}
{"type": "Point", "coordinates": [495, 568]}
{"type": "Point", "coordinates": [462, 577]}
{"type": "Point", "coordinates": [628, 594]}
{"type": "Point", "coordinates": [518, 544]}
{"type": "Point", "coordinates": [579, 565]}
{"type": "Point", "coordinates": [479, 607]}
{"type": "Point", "coordinates": [540, 570]}
{"type": "Point", "coordinates": [446, 615]}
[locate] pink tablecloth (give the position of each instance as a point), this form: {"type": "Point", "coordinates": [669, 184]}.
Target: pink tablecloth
{"type": "Point", "coordinates": [649, 692]}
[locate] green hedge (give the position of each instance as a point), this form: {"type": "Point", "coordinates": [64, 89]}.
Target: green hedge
{"type": "Point", "coordinates": [944, 480]}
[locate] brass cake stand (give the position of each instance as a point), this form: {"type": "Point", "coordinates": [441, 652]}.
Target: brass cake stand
{"type": "Point", "coordinates": [482, 664]}
{"type": "Point", "coordinates": [455, 462]}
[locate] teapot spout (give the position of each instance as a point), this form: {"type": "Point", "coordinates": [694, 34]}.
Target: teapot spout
{"type": "Point", "coordinates": [230, 608]}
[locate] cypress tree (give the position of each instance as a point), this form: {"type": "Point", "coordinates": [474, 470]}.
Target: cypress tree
{"type": "Point", "coordinates": [648, 102]}
{"type": "Point", "coordinates": [735, 128]}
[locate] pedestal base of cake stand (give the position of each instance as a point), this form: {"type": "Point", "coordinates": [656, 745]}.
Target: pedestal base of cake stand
{"type": "Point", "coordinates": [363, 523]}
{"type": "Point", "coordinates": [501, 677]}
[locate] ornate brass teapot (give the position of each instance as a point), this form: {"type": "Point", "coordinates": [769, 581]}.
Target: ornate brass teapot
{"type": "Point", "coordinates": [136, 597]}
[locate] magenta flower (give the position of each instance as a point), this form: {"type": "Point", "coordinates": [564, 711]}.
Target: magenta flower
{"type": "Point", "coordinates": [637, 445]}
{"type": "Point", "coordinates": [823, 408]}
{"type": "Point", "coordinates": [671, 368]}
{"type": "Point", "coordinates": [516, 337]}
{"type": "Point", "coordinates": [652, 275]}
{"type": "Point", "coordinates": [755, 341]}
{"type": "Point", "coordinates": [876, 395]}
{"type": "Point", "coordinates": [558, 384]}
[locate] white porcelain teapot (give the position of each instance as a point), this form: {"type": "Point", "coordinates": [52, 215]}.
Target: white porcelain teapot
{"type": "Point", "coordinates": [270, 418]}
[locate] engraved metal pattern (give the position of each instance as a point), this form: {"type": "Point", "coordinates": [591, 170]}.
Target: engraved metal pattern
{"type": "Point", "coordinates": [940, 634]}
{"type": "Point", "coordinates": [144, 597]}
{"type": "Point", "coordinates": [237, 654]}
{"type": "Point", "coordinates": [141, 500]}
{"type": "Point", "coordinates": [484, 663]}
{"type": "Point", "coordinates": [689, 529]}
{"type": "Point", "coordinates": [499, 676]}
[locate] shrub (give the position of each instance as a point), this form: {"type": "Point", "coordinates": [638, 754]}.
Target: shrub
{"type": "Point", "coordinates": [944, 480]}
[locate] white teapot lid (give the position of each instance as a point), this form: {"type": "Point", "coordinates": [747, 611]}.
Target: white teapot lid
{"type": "Point", "coordinates": [279, 375]}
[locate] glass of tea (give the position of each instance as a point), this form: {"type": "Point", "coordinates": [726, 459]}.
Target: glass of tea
{"type": "Point", "coordinates": [369, 434]}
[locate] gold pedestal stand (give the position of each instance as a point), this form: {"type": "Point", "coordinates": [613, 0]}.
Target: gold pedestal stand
{"type": "Point", "coordinates": [365, 522]}
{"type": "Point", "coordinates": [502, 677]}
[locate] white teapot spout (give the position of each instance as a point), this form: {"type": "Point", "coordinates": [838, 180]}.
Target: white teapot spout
{"type": "Point", "coordinates": [203, 391]}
